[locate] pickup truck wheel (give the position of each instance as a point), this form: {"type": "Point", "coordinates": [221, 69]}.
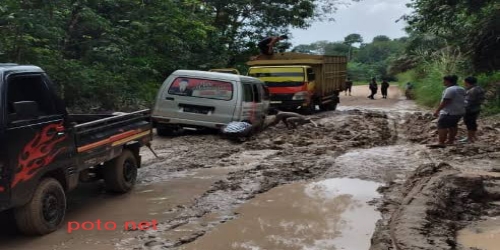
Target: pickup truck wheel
{"type": "Point", "coordinates": [120, 173]}
{"type": "Point", "coordinates": [45, 212]}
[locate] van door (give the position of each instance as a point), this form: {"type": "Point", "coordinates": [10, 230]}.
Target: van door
{"type": "Point", "coordinates": [205, 100]}
{"type": "Point", "coordinates": [37, 138]}
{"type": "Point", "coordinates": [252, 105]}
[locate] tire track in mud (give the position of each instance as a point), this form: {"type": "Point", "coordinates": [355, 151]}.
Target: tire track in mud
{"type": "Point", "coordinates": [305, 153]}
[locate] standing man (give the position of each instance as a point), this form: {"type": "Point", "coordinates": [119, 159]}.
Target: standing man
{"type": "Point", "coordinates": [373, 88]}
{"type": "Point", "coordinates": [348, 86]}
{"type": "Point", "coordinates": [266, 46]}
{"type": "Point", "coordinates": [474, 97]}
{"type": "Point", "coordinates": [384, 87]}
{"type": "Point", "coordinates": [450, 111]}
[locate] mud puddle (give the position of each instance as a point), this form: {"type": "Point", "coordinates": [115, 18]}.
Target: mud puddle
{"type": "Point", "coordinates": [484, 235]}
{"type": "Point", "coordinates": [329, 214]}
{"type": "Point", "coordinates": [387, 164]}
{"type": "Point", "coordinates": [158, 201]}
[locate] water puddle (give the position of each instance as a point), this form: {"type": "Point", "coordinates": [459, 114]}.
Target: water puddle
{"type": "Point", "coordinates": [329, 214]}
{"type": "Point", "coordinates": [485, 235]}
{"type": "Point", "coordinates": [386, 164]}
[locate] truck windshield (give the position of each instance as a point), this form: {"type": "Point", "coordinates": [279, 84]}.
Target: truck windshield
{"type": "Point", "coordinates": [279, 77]}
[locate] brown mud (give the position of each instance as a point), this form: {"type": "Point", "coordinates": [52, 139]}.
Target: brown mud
{"type": "Point", "coordinates": [204, 191]}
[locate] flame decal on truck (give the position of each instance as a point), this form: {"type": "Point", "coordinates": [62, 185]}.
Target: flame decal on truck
{"type": "Point", "coordinates": [38, 153]}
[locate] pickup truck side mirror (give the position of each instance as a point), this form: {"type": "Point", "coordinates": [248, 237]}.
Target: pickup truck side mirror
{"type": "Point", "coordinates": [25, 110]}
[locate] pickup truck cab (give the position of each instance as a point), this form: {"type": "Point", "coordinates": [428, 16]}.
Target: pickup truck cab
{"type": "Point", "coordinates": [45, 152]}
{"type": "Point", "coordinates": [198, 99]}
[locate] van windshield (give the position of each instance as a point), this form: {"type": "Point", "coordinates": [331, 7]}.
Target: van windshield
{"type": "Point", "coordinates": [202, 88]}
{"type": "Point", "coordinates": [279, 77]}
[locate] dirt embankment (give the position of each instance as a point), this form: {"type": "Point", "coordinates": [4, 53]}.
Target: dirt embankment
{"type": "Point", "coordinates": [427, 210]}
{"type": "Point", "coordinates": [422, 128]}
{"type": "Point", "coordinates": [437, 200]}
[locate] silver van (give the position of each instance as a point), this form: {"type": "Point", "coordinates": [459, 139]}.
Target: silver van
{"type": "Point", "coordinates": [193, 99]}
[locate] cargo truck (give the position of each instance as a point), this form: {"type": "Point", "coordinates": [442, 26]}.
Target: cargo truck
{"type": "Point", "coordinates": [301, 81]}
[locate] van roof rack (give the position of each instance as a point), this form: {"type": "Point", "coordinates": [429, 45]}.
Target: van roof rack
{"type": "Point", "coordinates": [8, 64]}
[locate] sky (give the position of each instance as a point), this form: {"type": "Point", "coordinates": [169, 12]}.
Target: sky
{"type": "Point", "coordinates": [368, 18]}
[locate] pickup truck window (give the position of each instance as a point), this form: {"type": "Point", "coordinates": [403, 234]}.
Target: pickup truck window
{"type": "Point", "coordinates": [202, 88]}
{"type": "Point", "coordinates": [29, 88]}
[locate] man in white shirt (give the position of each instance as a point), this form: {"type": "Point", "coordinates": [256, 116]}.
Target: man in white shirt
{"type": "Point", "coordinates": [450, 111]}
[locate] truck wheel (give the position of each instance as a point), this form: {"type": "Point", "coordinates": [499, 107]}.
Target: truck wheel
{"type": "Point", "coordinates": [332, 106]}
{"type": "Point", "coordinates": [310, 109]}
{"type": "Point", "coordinates": [120, 173]}
{"type": "Point", "coordinates": [45, 212]}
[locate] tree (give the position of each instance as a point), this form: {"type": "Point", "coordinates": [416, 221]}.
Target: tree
{"type": "Point", "coordinates": [350, 40]}
{"type": "Point", "coordinates": [471, 26]}
{"type": "Point", "coordinates": [381, 38]}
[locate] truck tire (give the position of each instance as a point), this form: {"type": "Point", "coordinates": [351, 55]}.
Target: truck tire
{"type": "Point", "coordinates": [46, 210]}
{"type": "Point", "coordinates": [120, 174]}
{"type": "Point", "coordinates": [309, 110]}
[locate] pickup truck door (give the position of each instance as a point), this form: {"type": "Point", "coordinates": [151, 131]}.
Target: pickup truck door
{"type": "Point", "coordinates": [4, 184]}
{"type": "Point", "coordinates": [36, 134]}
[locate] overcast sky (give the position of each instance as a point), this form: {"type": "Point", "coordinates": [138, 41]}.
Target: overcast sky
{"type": "Point", "coordinates": [368, 18]}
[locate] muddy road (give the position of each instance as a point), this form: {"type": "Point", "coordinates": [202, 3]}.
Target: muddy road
{"type": "Point", "coordinates": [363, 179]}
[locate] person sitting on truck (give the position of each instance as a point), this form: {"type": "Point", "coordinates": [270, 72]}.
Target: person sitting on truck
{"type": "Point", "coordinates": [266, 46]}
{"type": "Point", "coordinates": [290, 119]}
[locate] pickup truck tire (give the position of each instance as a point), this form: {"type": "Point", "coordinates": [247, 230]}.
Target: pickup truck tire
{"type": "Point", "coordinates": [120, 174]}
{"type": "Point", "coordinates": [46, 210]}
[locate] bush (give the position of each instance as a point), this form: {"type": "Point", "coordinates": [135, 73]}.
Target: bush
{"type": "Point", "coordinates": [491, 83]}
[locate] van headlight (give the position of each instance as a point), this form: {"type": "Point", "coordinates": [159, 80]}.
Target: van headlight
{"type": "Point", "coordinates": [299, 96]}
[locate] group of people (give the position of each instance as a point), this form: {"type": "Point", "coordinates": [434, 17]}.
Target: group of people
{"type": "Point", "coordinates": [384, 87]}
{"type": "Point", "coordinates": [457, 103]}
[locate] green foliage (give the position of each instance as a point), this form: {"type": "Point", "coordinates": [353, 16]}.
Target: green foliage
{"type": "Point", "coordinates": [470, 25]}
{"type": "Point", "coordinates": [491, 82]}
{"type": "Point", "coordinates": [114, 54]}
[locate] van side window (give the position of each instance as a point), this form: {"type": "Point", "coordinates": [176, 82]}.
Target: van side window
{"type": "Point", "coordinates": [256, 93]}
{"type": "Point", "coordinates": [29, 88]}
{"type": "Point", "coordinates": [247, 93]}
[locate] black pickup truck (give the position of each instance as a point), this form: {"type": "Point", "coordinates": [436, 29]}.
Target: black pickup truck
{"type": "Point", "coordinates": [45, 152]}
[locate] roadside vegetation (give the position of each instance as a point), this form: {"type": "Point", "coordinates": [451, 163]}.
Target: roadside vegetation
{"type": "Point", "coordinates": [123, 50]}
{"type": "Point", "coordinates": [444, 37]}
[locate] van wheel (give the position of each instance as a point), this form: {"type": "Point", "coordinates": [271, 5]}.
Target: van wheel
{"type": "Point", "coordinates": [46, 210]}
{"type": "Point", "coordinates": [164, 131]}
{"type": "Point", "coordinates": [120, 174]}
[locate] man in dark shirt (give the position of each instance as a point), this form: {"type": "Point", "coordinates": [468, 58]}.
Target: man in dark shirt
{"type": "Point", "coordinates": [373, 88]}
{"type": "Point", "coordinates": [348, 86]}
{"type": "Point", "coordinates": [474, 97]}
{"type": "Point", "coordinates": [266, 46]}
{"type": "Point", "coordinates": [384, 87]}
